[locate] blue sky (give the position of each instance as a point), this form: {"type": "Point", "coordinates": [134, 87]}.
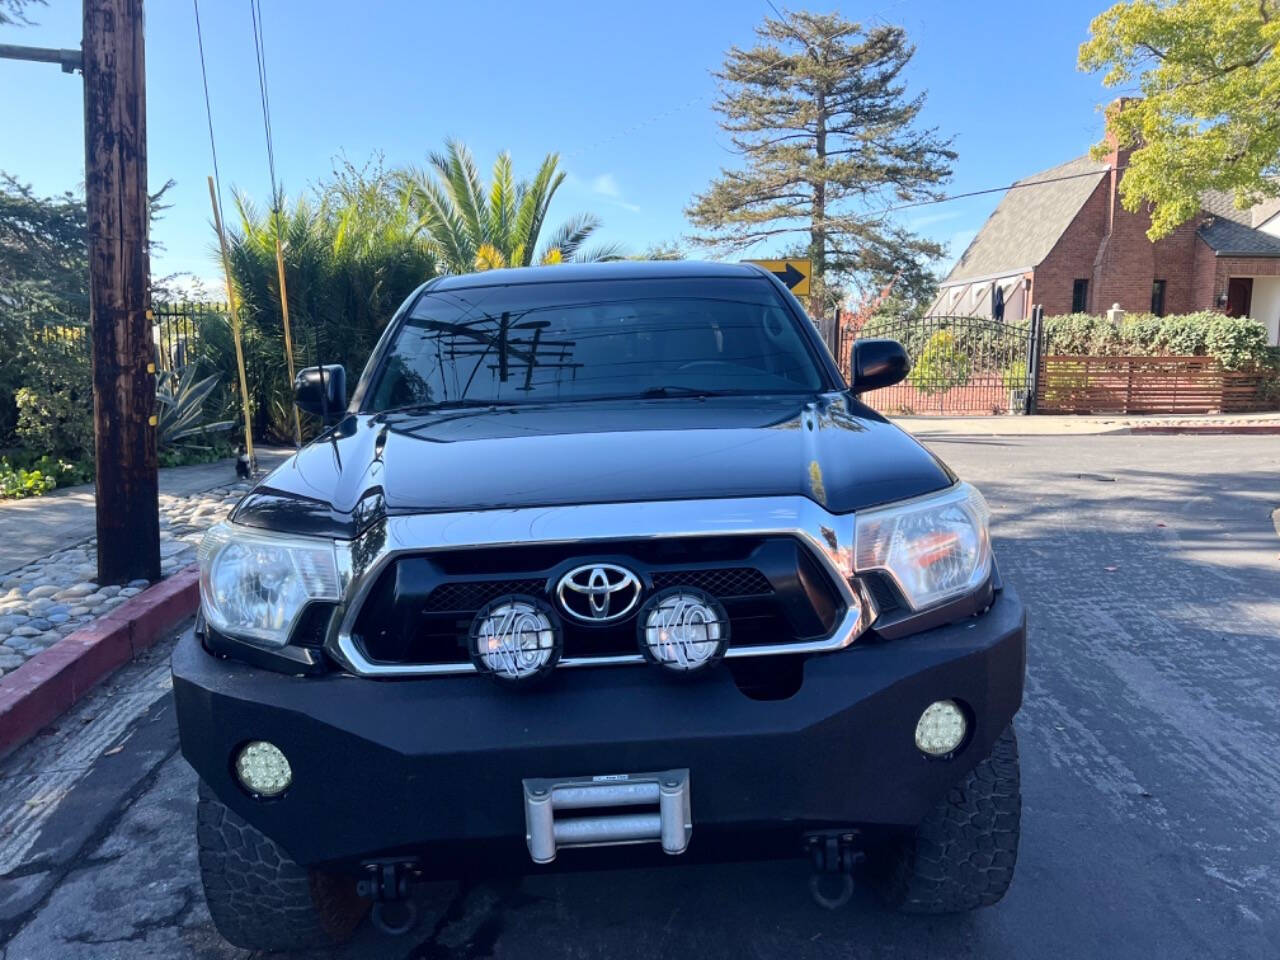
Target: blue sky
{"type": "Point", "coordinates": [622, 90]}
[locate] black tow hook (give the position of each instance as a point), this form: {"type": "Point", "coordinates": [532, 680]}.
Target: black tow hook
{"type": "Point", "coordinates": [387, 885]}
{"type": "Point", "coordinates": [834, 854]}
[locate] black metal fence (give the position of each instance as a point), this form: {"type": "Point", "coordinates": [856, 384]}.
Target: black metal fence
{"type": "Point", "coordinates": [63, 336]}
{"type": "Point", "coordinates": [960, 365]}
{"type": "Point", "coordinates": [177, 331]}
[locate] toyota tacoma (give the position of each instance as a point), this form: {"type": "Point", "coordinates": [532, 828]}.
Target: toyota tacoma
{"type": "Point", "coordinates": [599, 565]}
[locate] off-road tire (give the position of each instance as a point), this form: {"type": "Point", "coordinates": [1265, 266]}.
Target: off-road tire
{"type": "Point", "coordinates": [962, 856]}
{"type": "Point", "coordinates": [259, 898]}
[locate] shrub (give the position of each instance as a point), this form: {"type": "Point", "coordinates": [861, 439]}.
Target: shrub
{"type": "Point", "coordinates": [1234, 341]}
{"type": "Point", "coordinates": [1014, 375]}
{"type": "Point", "coordinates": [19, 478]}
{"type": "Point", "coordinates": [55, 405]}
{"type": "Point", "coordinates": [1079, 333]}
{"type": "Point", "coordinates": [1270, 392]}
{"type": "Point", "coordinates": [942, 365]}
{"type": "Point", "coordinates": [1183, 335]}
{"type": "Point", "coordinates": [16, 482]}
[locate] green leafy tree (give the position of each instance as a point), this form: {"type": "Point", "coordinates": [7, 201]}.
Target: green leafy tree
{"type": "Point", "coordinates": [46, 399]}
{"type": "Point", "coordinates": [1209, 114]}
{"type": "Point", "coordinates": [820, 113]}
{"type": "Point", "coordinates": [661, 251]}
{"type": "Point", "coordinates": [472, 226]}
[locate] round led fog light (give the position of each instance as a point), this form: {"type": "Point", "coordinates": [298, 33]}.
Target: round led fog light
{"type": "Point", "coordinates": [941, 728]}
{"type": "Point", "coordinates": [683, 629]}
{"type": "Point", "coordinates": [263, 769]}
{"type": "Point", "coordinates": [515, 638]}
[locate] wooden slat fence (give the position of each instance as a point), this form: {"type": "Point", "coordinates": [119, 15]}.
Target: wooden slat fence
{"type": "Point", "coordinates": [1078, 384]}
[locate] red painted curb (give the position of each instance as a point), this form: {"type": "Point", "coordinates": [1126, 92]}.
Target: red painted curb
{"type": "Point", "coordinates": [1244, 428]}
{"type": "Point", "coordinates": [44, 687]}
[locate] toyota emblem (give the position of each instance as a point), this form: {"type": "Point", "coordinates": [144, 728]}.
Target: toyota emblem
{"type": "Point", "coordinates": [598, 592]}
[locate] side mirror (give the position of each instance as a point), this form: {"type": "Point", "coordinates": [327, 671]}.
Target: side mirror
{"type": "Point", "coordinates": [322, 391]}
{"type": "Point", "coordinates": [877, 363]}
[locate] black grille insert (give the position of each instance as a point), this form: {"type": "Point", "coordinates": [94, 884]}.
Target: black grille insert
{"type": "Point", "coordinates": [470, 596]}
{"type": "Point", "coordinates": [724, 583]}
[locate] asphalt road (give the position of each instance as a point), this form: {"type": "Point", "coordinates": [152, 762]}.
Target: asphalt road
{"type": "Point", "coordinates": [1150, 744]}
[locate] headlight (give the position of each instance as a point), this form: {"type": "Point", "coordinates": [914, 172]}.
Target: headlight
{"type": "Point", "coordinates": [936, 548]}
{"type": "Point", "coordinates": [254, 585]}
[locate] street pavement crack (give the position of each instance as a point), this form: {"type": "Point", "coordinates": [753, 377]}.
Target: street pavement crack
{"type": "Point", "coordinates": [141, 929]}
{"type": "Point", "coordinates": [81, 860]}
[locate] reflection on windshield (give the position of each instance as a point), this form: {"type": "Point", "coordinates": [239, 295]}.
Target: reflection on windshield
{"type": "Point", "coordinates": [534, 343]}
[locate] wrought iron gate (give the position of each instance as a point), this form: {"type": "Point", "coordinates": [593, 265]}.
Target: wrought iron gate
{"type": "Point", "coordinates": [961, 365]}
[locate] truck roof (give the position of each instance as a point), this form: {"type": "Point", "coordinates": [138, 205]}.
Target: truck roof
{"type": "Point", "coordinates": [618, 270]}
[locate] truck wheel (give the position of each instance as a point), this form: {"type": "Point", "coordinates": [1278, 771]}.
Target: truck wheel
{"type": "Point", "coordinates": [962, 856]}
{"type": "Point", "coordinates": [259, 898]}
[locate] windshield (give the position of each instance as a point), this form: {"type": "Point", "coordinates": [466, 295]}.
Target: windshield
{"type": "Point", "coordinates": [539, 342]}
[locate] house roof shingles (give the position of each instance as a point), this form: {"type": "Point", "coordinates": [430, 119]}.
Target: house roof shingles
{"type": "Point", "coordinates": [1222, 204]}
{"type": "Point", "coordinates": [1227, 238]}
{"type": "Point", "coordinates": [1029, 221]}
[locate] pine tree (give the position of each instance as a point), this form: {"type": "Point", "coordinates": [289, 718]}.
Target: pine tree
{"type": "Point", "coordinates": [820, 113]}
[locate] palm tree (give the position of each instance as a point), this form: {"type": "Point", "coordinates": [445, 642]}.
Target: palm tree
{"type": "Point", "coordinates": [352, 253]}
{"type": "Point", "coordinates": [474, 228]}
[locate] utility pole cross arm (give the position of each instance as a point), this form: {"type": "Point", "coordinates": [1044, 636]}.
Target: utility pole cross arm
{"type": "Point", "coordinates": [69, 60]}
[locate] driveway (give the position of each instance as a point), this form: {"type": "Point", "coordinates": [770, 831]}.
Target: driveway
{"type": "Point", "coordinates": [1150, 742]}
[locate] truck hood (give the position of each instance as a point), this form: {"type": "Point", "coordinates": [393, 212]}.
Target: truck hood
{"type": "Point", "coordinates": [826, 447]}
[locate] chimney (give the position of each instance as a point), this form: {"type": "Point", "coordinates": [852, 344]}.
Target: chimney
{"type": "Point", "coordinates": [1117, 157]}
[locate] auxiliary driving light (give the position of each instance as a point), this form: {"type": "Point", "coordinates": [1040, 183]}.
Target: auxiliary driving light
{"type": "Point", "coordinates": [941, 729]}
{"type": "Point", "coordinates": [262, 769]}
{"type": "Point", "coordinates": [683, 629]}
{"type": "Point", "coordinates": [515, 638]}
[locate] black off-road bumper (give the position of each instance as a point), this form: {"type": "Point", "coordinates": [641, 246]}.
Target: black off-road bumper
{"type": "Point", "coordinates": [432, 767]}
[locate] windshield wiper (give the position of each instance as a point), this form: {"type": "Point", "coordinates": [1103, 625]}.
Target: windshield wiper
{"type": "Point", "coordinates": [450, 405]}
{"type": "Point", "coordinates": [678, 391]}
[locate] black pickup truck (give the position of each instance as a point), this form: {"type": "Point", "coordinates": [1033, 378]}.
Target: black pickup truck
{"type": "Point", "coordinates": [599, 565]}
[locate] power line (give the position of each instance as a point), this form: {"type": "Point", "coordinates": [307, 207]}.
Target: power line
{"type": "Point", "coordinates": [260, 50]}
{"type": "Point", "coordinates": [208, 110]}
{"type": "Point", "coordinates": [1016, 185]}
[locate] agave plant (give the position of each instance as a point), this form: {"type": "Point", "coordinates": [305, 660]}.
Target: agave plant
{"type": "Point", "coordinates": [472, 227]}
{"type": "Point", "coordinates": [180, 397]}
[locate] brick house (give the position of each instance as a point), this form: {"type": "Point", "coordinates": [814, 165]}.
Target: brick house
{"type": "Point", "coordinates": [1061, 239]}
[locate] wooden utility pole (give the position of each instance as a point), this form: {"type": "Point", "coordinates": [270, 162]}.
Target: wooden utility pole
{"type": "Point", "coordinates": [115, 142]}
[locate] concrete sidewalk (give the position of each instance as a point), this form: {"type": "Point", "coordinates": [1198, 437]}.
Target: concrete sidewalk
{"type": "Point", "coordinates": [37, 526]}
{"type": "Point", "coordinates": [1056, 426]}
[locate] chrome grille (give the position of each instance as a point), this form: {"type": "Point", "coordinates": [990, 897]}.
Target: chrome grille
{"type": "Point", "coordinates": [391, 626]}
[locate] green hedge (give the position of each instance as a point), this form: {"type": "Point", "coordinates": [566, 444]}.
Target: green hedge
{"type": "Point", "coordinates": [1235, 342]}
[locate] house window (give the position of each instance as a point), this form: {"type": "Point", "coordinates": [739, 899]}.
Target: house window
{"type": "Point", "coordinates": [1157, 297]}
{"type": "Point", "coordinates": [1080, 296]}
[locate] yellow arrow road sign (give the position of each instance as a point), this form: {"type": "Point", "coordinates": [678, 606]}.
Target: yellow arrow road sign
{"type": "Point", "coordinates": [794, 273]}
